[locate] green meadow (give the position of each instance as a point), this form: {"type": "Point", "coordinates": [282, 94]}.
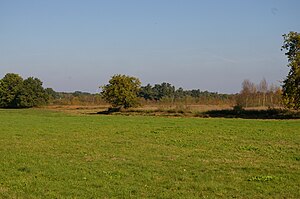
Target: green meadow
{"type": "Point", "coordinates": [48, 154]}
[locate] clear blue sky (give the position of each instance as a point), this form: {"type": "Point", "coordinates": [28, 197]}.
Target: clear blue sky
{"type": "Point", "coordinates": [207, 44]}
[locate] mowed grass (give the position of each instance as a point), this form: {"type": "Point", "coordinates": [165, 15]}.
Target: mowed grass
{"type": "Point", "coordinates": [46, 154]}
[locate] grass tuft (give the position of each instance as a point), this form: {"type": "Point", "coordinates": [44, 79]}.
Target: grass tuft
{"type": "Point", "coordinates": [24, 169]}
{"type": "Point", "coordinates": [263, 178]}
{"type": "Point", "coordinates": [248, 148]}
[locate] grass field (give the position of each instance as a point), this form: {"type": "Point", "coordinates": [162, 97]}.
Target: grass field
{"type": "Point", "coordinates": [47, 154]}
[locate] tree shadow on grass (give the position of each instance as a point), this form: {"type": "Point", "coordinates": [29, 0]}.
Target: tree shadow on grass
{"type": "Point", "coordinates": [109, 111]}
{"type": "Point", "coordinates": [254, 114]}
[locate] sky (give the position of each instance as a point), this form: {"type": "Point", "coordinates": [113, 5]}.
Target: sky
{"type": "Point", "coordinates": [77, 45]}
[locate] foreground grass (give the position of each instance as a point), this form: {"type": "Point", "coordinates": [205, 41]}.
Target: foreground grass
{"type": "Point", "coordinates": [47, 154]}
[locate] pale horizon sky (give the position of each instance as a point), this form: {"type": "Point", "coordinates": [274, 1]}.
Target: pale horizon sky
{"type": "Point", "coordinates": [75, 45]}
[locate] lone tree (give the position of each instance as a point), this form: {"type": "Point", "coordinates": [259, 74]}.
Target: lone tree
{"type": "Point", "coordinates": [122, 91]}
{"type": "Point", "coordinates": [291, 85]}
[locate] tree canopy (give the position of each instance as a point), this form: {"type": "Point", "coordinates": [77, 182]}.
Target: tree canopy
{"type": "Point", "coordinates": [291, 85]}
{"type": "Point", "coordinates": [18, 93]}
{"type": "Point", "coordinates": [10, 87]}
{"type": "Point", "coordinates": [122, 91]}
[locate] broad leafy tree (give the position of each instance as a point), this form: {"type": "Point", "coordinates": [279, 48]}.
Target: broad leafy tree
{"type": "Point", "coordinates": [18, 93]}
{"type": "Point", "coordinates": [122, 91]}
{"type": "Point", "coordinates": [291, 85]}
{"type": "Point", "coordinates": [32, 93]}
{"type": "Point", "coordinates": [10, 87]}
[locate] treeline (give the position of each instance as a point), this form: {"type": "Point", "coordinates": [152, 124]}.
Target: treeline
{"type": "Point", "coordinates": [259, 95]}
{"type": "Point", "coordinates": [16, 92]}
{"type": "Point", "coordinates": [165, 92]}
{"type": "Point", "coordinates": [76, 98]}
{"type": "Point", "coordinates": [251, 95]}
{"type": "Point", "coordinates": [159, 93]}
